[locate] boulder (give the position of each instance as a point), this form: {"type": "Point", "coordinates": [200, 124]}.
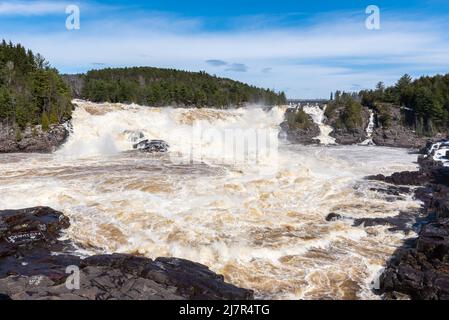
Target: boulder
{"type": "Point", "coordinates": [406, 178]}
{"type": "Point", "coordinates": [152, 146]}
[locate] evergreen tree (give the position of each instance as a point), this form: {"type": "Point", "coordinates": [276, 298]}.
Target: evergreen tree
{"type": "Point", "coordinates": [30, 88]}
{"type": "Point", "coordinates": [424, 102]}
{"type": "Point", "coordinates": [45, 122]}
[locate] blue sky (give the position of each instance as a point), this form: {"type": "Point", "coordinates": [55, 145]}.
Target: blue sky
{"type": "Point", "coordinates": [305, 48]}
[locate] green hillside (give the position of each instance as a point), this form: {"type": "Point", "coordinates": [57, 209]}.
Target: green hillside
{"type": "Point", "coordinates": [31, 92]}
{"type": "Point", "coordinates": [162, 87]}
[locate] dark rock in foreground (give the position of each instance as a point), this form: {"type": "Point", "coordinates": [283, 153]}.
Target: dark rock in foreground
{"type": "Point", "coordinates": [32, 140]}
{"type": "Point", "coordinates": [30, 269]}
{"type": "Point", "coordinates": [422, 271]}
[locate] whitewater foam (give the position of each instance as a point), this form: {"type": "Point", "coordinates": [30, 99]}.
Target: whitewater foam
{"type": "Point", "coordinates": [317, 113]}
{"type": "Point", "coordinates": [265, 231]}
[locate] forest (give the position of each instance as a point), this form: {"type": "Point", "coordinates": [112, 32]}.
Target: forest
{"type": "Point", "coordinates": [31, 91]}
{"type": "Point", "coordinates": [163, 87]}
{"type": "Point", "coordinates": [424, 102]}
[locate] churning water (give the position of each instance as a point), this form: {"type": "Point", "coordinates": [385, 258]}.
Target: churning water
{"type": "Point", "coordinates": [259, 220]}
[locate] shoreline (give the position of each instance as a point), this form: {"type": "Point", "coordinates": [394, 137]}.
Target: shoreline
{"type": "Point", "coordinates": [36, 264]}
{"type": "Point", "coordinates": [419, 269]}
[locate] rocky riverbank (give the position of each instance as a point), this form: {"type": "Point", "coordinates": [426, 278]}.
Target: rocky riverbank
{"type": "Point", "coordinates": [36, 264]}
{"type": "Point", "coordinates": [420, 269]}
{"type": "Point", "coordinates": [32, 139]}
{"type": "Point", "coordinates": [396, 134]}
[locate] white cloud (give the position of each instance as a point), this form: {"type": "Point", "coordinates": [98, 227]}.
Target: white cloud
{"type": "Point", "coordinates": [30, 8]}
{"type": "Point", "coordinates": [308, 61]}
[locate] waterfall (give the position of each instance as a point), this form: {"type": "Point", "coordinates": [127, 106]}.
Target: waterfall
{"type": "Point", "coordinates": [317, 114]}
{"type": "Point", "coordinates": [369, 130]}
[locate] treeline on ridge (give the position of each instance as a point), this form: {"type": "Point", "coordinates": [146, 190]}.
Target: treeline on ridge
{"type": "Point", "coordinates": [423, 103]}
{"type": "Point", "coordinates": [31, 92]}
{"type": "Point", "coordinates": [163, 87]}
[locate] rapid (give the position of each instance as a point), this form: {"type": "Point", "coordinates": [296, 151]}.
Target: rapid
{"type": "Point", "coordinates": [256, 218]}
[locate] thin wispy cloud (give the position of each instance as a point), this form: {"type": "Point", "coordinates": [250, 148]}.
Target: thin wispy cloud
{"type": "Point", "coordinates": [267, 70]}
{"type": "Point", "coordinates": [216, 63]}
{"type": "Point", "coordinates": [237, 67]}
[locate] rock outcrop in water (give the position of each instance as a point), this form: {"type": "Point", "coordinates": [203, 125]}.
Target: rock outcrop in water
{"type": "Point", "coordinates": [344, 135]}
{"type": "Point", "coordinates": [420, 269]}
{"type": "Point", "coordinates": [152, 146]}
{"type": "Point", "coordinates": [299, 127]}
{"type": "Point", "coordinates": [34, 262]}
{"type": "Point", "coordinates": [32, 140]}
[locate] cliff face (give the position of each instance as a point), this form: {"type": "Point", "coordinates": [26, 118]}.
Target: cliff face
{"type": "Point", "coordinates": [396, 134]}
{"type": "Point", "coordinates": [32, 139]}
{"type": "Point", "coordinates": [344, 135]}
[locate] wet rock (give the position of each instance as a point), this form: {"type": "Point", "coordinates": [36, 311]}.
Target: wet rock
{"type": "Point", "coordinates": [333, 217]}
{"type": "Point", "coordinates": [191, 280]}
{"type": "Point", "coordinates": [32, 139]}
{"type": "Point", "coordinates": [397, 192]}
{"type": "Point", "coordinates": [27, 226]}
{"type": "Point", "coordinates": [420, 269]}
{"type": "Point", "coordinates": [397, 135]}
{"type": "Point", "coordinates": [406, 178]}
{"type": "Point", "coordinates": [402, 222]}
{"type": "Point", "coordinates": [434, 240]}
{"type": "Point", "coordinates": [30, 269]}
{"type": "Point", "coordinates": [152, 146]}
{"type": "Point", "coordinates": [301, 133]}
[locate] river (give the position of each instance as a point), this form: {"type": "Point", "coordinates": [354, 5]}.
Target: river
{"type": "Point", "coordinates": [258, 219]}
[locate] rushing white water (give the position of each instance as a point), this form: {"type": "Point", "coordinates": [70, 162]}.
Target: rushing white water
{"type": "Point", "coordinates": [261, 229]}
{"type": "Point", "coordinates": [317, 114]}
{"type": "Point", "coordinates": [370, 130]}
{"type": "Point", "coordinates": [440, 151]}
